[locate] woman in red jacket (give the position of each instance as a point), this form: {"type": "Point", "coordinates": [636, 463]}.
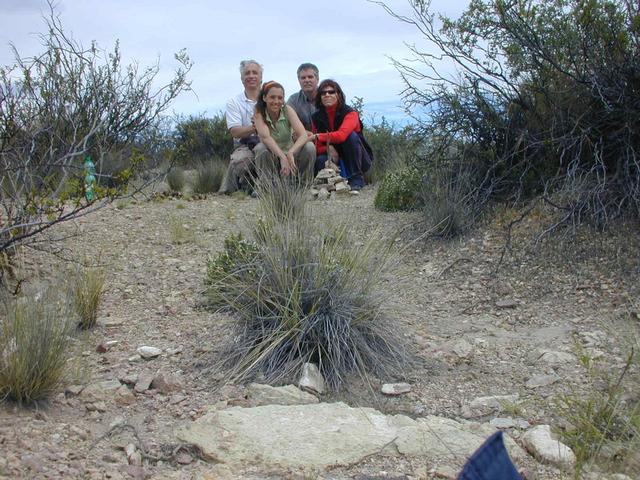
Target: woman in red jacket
{"type": "Point", "coordinates": [337, 133]}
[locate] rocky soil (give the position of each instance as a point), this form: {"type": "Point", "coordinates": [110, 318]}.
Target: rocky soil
{"type": "Point", "coordinates": [479, 328]}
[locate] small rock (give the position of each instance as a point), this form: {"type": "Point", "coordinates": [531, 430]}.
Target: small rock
{"type": "Point", "coordinates": [541, 380]}
{"type": "Point", "coordinates": [129, 379]}
{"type": "Point", "coordinates": [540, 443]}
{"type": "Point", "coordinates": [311, 379]}
{"type": "Point", "coordinates": [96, 406]}
{"type": "Point", "coordinates": [502, 423]}
{"type": "Point", "coordinates": [166, 383]}
{"type": "Point", "coordinates": [148, 352]}
{"type": "Point", "coordinates": [106, 346]}
{"type": "Point", "coordinates": [124, 396]}
{"type": "Point", "coordinates": [144, 382]}
{"type": "Point", "coordinates": [505, 303]}
{"type": "Point", "coordinates": [396, 388]}
{"type": "Point", "coordinates": [183, 458]}
{"type": "Point", "coordinates": [323, 194]}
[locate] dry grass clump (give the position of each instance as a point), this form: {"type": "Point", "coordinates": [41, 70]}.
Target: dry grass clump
{"type": "Point", "coordinates": [87, 289]}
{"type": "Point", "coordinates": [605, 424]}
{"type": "Point", "coordinates": [209, 176]}
{"type": "Point", "coordinates": [304, 292]}
{"type": "Point", "coordinates": [34, 346]}
{"type": "Point", "coordinates": [176, 179]}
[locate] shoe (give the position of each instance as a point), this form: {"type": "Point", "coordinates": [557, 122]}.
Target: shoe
{"type": "Point", "coordinates": [356, 188]}
{"type": "Point", "coordinates": [254, 194]}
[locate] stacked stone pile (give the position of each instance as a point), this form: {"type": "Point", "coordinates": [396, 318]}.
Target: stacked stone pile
{"type": "Point", "coordinates": [328, 182]}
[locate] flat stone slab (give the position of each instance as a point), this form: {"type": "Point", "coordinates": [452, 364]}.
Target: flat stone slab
{"type": "Point", "coordinates": [317, 436]}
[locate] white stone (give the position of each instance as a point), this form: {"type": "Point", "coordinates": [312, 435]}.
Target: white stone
{"type": "Point", "coordinates": [148, 352]}
{"type": "Point", "coordinates": [318, 436]}
{"type": "Point", "coordinates": [259, 394]}
{"type": "Point", "coordinates": [311, 379]}
{"type": "Point", "coordinates": [540, 443]}
{"type": "Point", "coordinates": [323, 194]}
{"type": "Point", "coordinates": [396, 388]}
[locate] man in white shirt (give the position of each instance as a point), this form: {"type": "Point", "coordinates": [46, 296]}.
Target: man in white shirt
{"type": "Point", "coordinates": [239, 117]}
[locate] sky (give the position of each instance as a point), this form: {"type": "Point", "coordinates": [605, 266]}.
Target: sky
{"type": "Point", "coordinates": [350, 41]}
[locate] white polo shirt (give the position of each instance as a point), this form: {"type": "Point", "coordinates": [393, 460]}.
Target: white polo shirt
{"type": "Point", "coordinates": [240, 111]}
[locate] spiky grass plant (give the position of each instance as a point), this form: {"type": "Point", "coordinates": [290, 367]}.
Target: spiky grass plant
{"type": "Point", "coordinates": [447, 202]}
{"type": "Point", "coordinates": [304, 292]}
{"type": "Point", "coordinates": [605, 424]}
{"type": "Point", "coordinates": [87, 290]}
{"type": "Point", "coordinates": [34, 346]}
{"type": "Point", "coordinates": [176, 179]}
{"type": "Point", "coordinates": [209, 176]}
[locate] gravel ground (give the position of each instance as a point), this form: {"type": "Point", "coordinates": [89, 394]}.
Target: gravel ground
{"type": "Point", "coordinates": [476, 330]}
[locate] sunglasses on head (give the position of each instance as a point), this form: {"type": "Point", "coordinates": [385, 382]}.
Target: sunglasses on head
{"type": "Point", "coordinates": [327, 92]}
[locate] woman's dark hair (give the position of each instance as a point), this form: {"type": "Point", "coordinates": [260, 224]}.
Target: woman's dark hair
{"type": "Point", "coordinates": [332, 84]}
{"type": "Point", "coordinates": [261, 105]}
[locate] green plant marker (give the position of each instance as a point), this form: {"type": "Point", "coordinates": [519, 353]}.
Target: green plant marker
{"type": "Point", "coordinates": [89, 179]}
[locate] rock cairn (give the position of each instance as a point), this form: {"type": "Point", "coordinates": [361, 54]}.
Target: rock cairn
{"type": "Point", "coordinates": [329, 182]}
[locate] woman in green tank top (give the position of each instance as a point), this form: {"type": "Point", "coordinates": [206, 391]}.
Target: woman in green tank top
{"type": "Point", "coordinates": [278, 125]}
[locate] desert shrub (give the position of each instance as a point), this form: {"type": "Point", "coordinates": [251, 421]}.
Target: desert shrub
{"type": "Point", "coordinates": [304, 292]}
{"type": "Point", "coordinates": [86, 290]}
{"type": "Point", "coordinates": [546, 100]}
{"type": "Point", "coordinates": [390, 143]}
{"type": "Point", "coordinates": [34, 346]}
{"type": "Point", "coordinates": [399, 190]}
{"type": "Point", "coordinates": [209, 176]}
{"type": "Point", "coordinates": [176, 179]}
{"type": "Point", "coordinates": [58, 106]}
{"type": "Point", "coordinates": [197, 139]}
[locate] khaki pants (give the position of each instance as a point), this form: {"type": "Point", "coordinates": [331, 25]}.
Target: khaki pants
{"type": "Point", "coordinates": [240, 170]}
{"type": "Point", "coordinates": [267, 163]}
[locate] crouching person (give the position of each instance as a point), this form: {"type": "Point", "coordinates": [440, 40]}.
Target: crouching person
{"type": "Point", "coordinates": [239, 117]}
{"type": "Point", "coordinates": [277, 124]}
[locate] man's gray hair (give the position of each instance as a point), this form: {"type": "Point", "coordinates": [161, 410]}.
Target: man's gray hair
{"type": "Point", "coordinates": [245, 63]}
{"type": "Point", "coordinates": [308, 66]}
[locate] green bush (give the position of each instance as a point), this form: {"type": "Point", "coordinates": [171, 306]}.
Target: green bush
{"type": "Point", "coordinates": [176, 179]}
{"type": "Point", "coordinates": [209, 176]}
{"type": "Point", "coordinates": [547, 100]}
{"type": "Point", "coordinates": [87, 290]}
{"type": "Point", "coordinates": [34, 347]}
{"type": "Point", "coordinates": [390, 144]}
{"type": "Point", "coordinates": [304, 292]}
{"type": "Point", "coordinates": [399, 190]}
{"type": "Point", "coordinates": [197, 139]}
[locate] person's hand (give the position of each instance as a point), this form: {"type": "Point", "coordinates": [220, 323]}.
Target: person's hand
{"type": "Point", "coordinates": [285, 168]}
{"type": "Point", "coordinates": [311, 137]}
{"type": "Point", "coordinates": [292, 163]}
{"type": "Point", "coordinates": [333, 154]}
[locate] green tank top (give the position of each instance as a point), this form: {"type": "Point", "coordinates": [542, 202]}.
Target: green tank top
{"type": "Point", "coordinates": [281, 131]}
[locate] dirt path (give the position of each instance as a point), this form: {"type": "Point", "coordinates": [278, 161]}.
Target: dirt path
{"type": "Point", "coordinates": [475, 333]}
